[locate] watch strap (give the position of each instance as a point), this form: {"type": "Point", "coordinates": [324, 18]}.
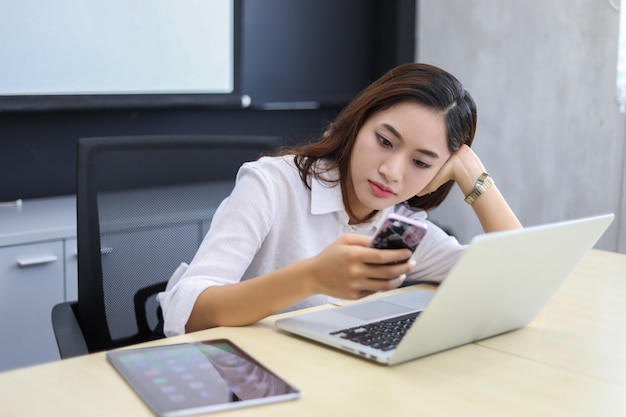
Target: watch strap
{"type": "Point", "coordinates": [483, 183]}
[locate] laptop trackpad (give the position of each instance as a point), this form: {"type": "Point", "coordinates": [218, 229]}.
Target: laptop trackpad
{"type": "Point", "coordinates": [370, 310]}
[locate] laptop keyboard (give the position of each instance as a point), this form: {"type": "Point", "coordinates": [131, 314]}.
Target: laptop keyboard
{"type": "Point", "coordinates": [383, 335]}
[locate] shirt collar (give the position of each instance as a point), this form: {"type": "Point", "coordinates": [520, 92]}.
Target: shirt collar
{"type": "Point", "coordinates": [326, 198]}
{"type": "Point", "coordinates": [326, 195]}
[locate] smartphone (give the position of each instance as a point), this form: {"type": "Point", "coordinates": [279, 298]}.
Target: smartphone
{"type": "Point", "coordinates": [399, 232]}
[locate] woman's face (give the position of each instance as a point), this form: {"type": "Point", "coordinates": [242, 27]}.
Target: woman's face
{"type": "Point", "coordinates": [397, 152]}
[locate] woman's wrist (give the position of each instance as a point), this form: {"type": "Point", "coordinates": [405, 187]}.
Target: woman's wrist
{"type": "Point", "coordinates": [468, 170]}
{"type": "Point", "coordinates": [308, 272]}
{"type": "Point", "coordinates": [483, 183]}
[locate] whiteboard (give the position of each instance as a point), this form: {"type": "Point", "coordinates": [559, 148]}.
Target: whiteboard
{"type": "Point", "coordinates": [86, 47]}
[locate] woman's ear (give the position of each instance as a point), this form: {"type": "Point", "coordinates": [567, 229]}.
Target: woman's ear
{"type": "Point", "coordinates": [327, 131]}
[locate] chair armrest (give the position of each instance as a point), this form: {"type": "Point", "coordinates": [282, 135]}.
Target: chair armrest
{"type": "Point", "coordinates": [67, 331]}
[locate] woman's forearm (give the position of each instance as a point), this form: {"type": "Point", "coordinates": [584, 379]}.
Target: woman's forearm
{"type": "Point", "coordinates": [248, 301]}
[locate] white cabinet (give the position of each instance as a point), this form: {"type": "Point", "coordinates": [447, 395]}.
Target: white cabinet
{"type": "Point", "coordinates": [37, 271]}
{"type": "Point", "coordinates": [39, 265]}
{"type": "Point", "coordinates": [31, 283]}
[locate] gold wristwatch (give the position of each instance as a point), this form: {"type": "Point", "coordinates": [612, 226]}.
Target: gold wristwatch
{"type": "Point", "coordinates": [482, 184]}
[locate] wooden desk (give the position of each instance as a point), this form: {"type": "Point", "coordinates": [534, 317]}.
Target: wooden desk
{"type": "Point", "coordinates": [583, 329]}
{"type": "Point", "coordinates": [569, 362]}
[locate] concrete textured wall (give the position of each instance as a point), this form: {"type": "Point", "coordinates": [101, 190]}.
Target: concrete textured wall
{"type": "Point", "coordinates": [549, 131]}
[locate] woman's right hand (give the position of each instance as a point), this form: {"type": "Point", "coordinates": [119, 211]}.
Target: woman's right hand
{"type": "Point", "coordinates": [350, 270]}
{"type": "Point", "coordinates": [346, 269]}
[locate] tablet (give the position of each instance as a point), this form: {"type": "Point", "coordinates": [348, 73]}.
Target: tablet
{"type": "Point", "coordinates": [192, 378]}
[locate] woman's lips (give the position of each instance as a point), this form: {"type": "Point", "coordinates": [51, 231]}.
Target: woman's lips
{"type": "Point", "coordinates": [380, 190]}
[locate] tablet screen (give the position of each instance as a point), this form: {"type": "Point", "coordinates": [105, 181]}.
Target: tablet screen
{"type": "Point", "coordinates": [192, 378]}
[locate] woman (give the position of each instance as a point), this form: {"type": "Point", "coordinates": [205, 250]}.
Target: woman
{"type": "Point", "coordinates": [295, 231]}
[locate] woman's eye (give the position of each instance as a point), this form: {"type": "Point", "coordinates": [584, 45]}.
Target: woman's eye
{"type": "Point", "coordinates": [421, 164]}
{"type": "Point", "coordinates": [383, 141]}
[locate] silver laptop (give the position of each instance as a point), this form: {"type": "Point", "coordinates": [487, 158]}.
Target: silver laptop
{"type": "Point", "coordinates": [501, 283]}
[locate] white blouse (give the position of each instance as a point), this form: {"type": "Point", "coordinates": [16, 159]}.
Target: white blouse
{"type": "Point", "coordinates": [272, 220]}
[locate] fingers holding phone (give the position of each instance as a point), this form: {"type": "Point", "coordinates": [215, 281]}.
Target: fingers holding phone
{"type": "Point", "coordinates": [350, 269]}
{"type": "Point", "coordinates": [400, 232]}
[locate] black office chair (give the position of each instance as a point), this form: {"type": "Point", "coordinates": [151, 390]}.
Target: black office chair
{"type": "Point", "coordinates": [144, 204]}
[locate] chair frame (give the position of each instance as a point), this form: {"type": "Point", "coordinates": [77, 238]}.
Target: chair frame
{"type": "Point", "coordinates": [81, 327]}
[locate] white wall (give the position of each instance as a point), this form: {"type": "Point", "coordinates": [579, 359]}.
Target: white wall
{"type": "Point", "coordinates": [549, 130]}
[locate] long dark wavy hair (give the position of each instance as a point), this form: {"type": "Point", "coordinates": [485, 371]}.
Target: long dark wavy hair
{"type": "Point", "coordinates": [424, 84]}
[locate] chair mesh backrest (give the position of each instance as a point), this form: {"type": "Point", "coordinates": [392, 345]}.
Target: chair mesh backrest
{"type": "Point", "coordinates": [146, 203]}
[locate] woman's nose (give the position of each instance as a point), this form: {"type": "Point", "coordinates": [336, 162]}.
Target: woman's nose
{"type": "Point", "coordinates": [392, 169]}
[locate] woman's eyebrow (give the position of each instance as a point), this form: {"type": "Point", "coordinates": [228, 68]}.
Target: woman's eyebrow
{"type": "Point", "coordinates": [399, 136]}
